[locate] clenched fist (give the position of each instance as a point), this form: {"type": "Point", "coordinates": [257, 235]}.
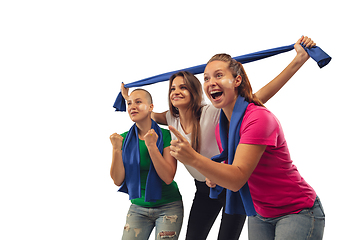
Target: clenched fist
{"type": "Point", "coordinates": [116, 141]}
{"type": "Point", "coordinates": [150, 138]}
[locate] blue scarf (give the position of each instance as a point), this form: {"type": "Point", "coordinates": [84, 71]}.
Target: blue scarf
{"type": "Point", "coordinates": [316, 53]}
{"type": "Point", "coordinates": [131, 160]}
{"type": "Point", "coordinates": [239, 202]}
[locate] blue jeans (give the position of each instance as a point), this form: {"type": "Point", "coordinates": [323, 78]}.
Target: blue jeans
{"type": "Point", "coordinates": [307, 224]}
{"type": "Point", "coordinates": [166, 219]}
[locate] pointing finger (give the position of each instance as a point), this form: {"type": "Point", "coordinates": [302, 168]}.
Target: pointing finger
{"type": "Point", "coordinates": [180, 137]}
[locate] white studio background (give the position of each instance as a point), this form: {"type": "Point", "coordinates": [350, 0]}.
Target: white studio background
{"type": "Point", "coordinates": [61, 66]}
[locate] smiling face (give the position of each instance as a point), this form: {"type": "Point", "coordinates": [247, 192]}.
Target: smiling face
{"type": "Point", "coordinates": [139, 106]}
{"type": "Point", "coordinates": [180, 96]}
{"type": "Point", "coordinates": [220, 84]}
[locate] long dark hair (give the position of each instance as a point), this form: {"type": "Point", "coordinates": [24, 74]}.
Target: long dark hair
{"type": "Point", "coordinates": [194, 87]}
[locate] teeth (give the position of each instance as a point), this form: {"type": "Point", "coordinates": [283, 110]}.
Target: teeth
{"type": "Point", "coordinates": [215, 93]}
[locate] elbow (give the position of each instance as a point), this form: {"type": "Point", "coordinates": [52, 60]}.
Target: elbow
{"type": "Point", "coordinates": [236, 187]}
{"type": "Point", "coordinates": [118, 183]}
{"type": "Point", "coordinates": [169, 181]}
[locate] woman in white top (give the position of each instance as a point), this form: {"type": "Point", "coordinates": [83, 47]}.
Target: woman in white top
{"type": "Point", "coordinates": [196, 122]}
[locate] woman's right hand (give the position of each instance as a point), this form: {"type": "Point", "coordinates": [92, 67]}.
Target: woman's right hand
{"type": "Point", "coordinates": [116, 141]}
{"type": "Point", "coordinates": [124, 91]}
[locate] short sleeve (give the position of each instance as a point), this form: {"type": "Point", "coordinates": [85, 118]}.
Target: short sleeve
{"type": "Point", "coordinates": [259, 127]}
{"type": "Point", "coordinates": [166, 137]}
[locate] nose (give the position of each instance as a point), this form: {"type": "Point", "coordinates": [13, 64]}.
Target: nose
{"type": "Point", "coordinates": [211, 81]}
{"type": "Point", "coordinates": [176, 91]}
{"type": "Point", "coordinates": [131, 107]}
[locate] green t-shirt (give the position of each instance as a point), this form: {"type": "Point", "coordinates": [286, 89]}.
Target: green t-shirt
{"type": "Point", "coordinates": [170, 193]}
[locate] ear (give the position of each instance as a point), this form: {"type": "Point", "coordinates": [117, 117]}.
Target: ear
{"type": "Point", "coordinates": [238, 80]}
{"type": "Point", "coordinates": [151, 107]}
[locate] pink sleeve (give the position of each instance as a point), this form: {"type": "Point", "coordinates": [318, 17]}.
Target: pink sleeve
{"type": "Point", "coordinates": [259, 127]}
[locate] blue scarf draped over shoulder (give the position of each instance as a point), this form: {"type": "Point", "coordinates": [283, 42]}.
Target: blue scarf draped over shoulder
{"type": "Point", "coordinates": [239, 202]}
{"type": "Point", "coordinates": [131, 160]}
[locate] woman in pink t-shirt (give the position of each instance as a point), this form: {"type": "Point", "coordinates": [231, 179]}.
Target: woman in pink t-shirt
{"type": "Point", "coordinates": [286, 206]}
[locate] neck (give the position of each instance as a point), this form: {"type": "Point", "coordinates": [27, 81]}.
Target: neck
{"type": "Point", "coordinates": [143, 127]}
{"type": "Point", "coordinates": [228, 109]}
{"type": "Point", "coordinates": [186, 120]}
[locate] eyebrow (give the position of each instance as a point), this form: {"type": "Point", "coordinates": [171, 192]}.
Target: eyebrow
{"type": "Point", "coordinates": [183, 84]}
{"type": "Point", "coordinates": [218, 70]}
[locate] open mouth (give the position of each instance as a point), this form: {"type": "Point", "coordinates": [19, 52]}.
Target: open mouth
{"type": "Point", "coordinates": [216, 94]}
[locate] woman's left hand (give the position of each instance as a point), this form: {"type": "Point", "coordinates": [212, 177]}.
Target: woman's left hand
{"type": "Point", "coordinates": [181, 149]}
{"type": "Point", "coordinates": [210, 183]}
{"type": "Point", "coordinates": [306, 42]}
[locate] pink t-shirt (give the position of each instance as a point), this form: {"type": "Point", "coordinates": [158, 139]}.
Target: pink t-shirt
{"type": "Point", "coordinates": [276, 187]}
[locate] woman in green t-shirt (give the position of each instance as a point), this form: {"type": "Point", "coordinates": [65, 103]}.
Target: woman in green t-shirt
{"type": "Point", "coordinates": [143, 167]}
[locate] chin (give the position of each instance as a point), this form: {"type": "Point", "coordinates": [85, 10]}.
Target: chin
{"type": "Point", "coordinates": [180, 105]}
{"type": "Point", "coordinates": [217, 105]}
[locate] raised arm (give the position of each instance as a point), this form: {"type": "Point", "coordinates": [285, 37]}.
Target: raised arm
{"type": "Point", "coordinates": [165, 165]}
{"type": "Point", "coordinates": [270, 89]}
{"type": "Point", "coordinates": [117, 170]}
{"type": "Point", "coordinates": [157, 117]}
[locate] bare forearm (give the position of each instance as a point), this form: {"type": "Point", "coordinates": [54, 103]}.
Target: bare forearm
{"type": "Point", "coordinates": [163, 168]}
{"type": "Point", "coordinates": [233, 176]}
{"type": "Point", "coordinates": [117, 170]}
{"type": "Point", "coordinates": [224, 175]}
{"type": "Point", "coordinates": [270, 89]}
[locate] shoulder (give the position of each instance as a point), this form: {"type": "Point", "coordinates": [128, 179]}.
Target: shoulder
{"type": "Point", "coordinates": [166, 137]}
{"type": "Point", "coordinates": [124, 134]}
{"type": "Point", "coordinates": [259, 115]}
{"type": "Point", "coordinates": [209, 109]}
{"type": "Point", "coordinates": [259, 126]}
{"type": "Point", "coordinates": [165, 131]}
{"type": "Point", "coordinates": [210, 113]}
{"type": "Point", "coordinates": [170, 119]}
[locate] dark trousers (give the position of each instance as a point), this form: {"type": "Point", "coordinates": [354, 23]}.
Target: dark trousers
{"type": "Point", "coordinates": [203, 213]}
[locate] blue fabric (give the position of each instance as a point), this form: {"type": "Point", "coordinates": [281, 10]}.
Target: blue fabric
{"type": "Point", "coordinates": [315, 53]}
{"type": "Point", "coordinates": [239, 202]}
{"type": "Point", "coordinates": [131, 160]}
{"type": "Point", "coordinates": [319, 56]}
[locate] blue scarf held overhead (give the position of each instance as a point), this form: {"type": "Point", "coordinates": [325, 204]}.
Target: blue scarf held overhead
{"type": "Point", "coordinates": [239, 202]}
{"type": "Point", "coordinates": [131, 160]}
{"type": "Point", "coordinates": [315, 53]}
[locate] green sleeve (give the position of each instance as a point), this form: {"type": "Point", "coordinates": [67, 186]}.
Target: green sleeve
{"type": "Point", "coordinates": [166, 137]}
